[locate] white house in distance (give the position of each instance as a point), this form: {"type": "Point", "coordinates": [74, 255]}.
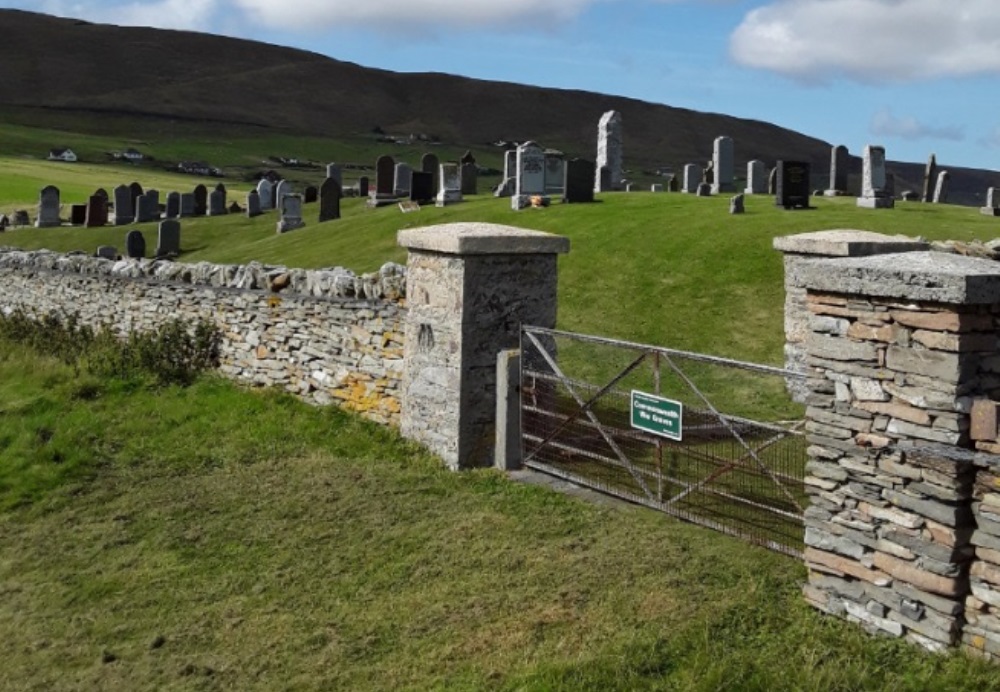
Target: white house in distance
{"type": "Point", "coordinates": [62, 155]}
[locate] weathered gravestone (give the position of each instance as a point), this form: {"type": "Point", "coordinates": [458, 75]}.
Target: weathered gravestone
{"type": "Point", "coordinates": [756, 178]}
{"type": "Point", "coordinates": [147, 207]}
{"type": "Point", "coordinates": [290, 211]}
{"type": "Point", "coordinates": [135, 245]}
{"type": "Point", "coordinates": [173, 205]}
{"type": "Point", "coordinates": [253, 204]}
{"type": "Point", "coordinates": [97, 211]}
{"type": "Point", "coordinates": [692, 176]}
{"type": "Point", "coordinates": [329, 200]}
{"type": "Point", "coordinates": [874, 193]}
{"type": "Point", "coordinates": [281, 188]}
{"type": "Point", "coordinates": [221, 187]}
{"type": "Point", "coordinates": [510, 164]}
{"type": "Point", "coordinates": [217, 203]}
{"type": "Point", "coordinates": [470, 174]}
{"type": "Point", "coordinates": [930, 178]}
{"type": "Point", "coordinates": [578, 182]}
{"type": "Point", "coordinates": [48, 207]}
{"type": "Point", "coordinates": [941, 189]}
{"type": "Point", "coordinates": [421, 187]}
{"type": "Point", "coordinates": [609, 149]}
{"type": "Point", "coordinates": [992, 203]}
{"type": "Point", "coordinates": [723, 159]}
{"type": "Point", "coordinates": [839, 161]}
{"type": "Point", "coordinates": [555, 173]}
{"type": "Point", "coordinates": [310, 195]}
{"type": "Point", "coordinates": [385, 169]}
{"type": "Point", "coordinates": [429, 163]}
{"type": "Point", "coordinates": [363, 186]}
{"type": "Point", "coordinates": [604, 175]}
{"type": "Point", "coordinates": [134, 190]}
{"type": "Point", "coordinates": [673, 184]}
{"type": "Point", "coordinates": [736, 205]}
{"type": "Point", "coordinates": [791, 184]}
{"type": "Point", "coordinates": [77, 214]}
{"type": "Point", "coordinates": [772, 181]}
{"type": "Point", "coordinates": [108, 252]}
{"type": "Point", "coordinates": [401, 173]}
{"type": "Point", "coordinates": [333, 171]}
{"type": "Point", "coordinates": [265, 191]}
{"type": "Point", "coordinates": [451, 184]}
{"type": "Point", "coordinates": [703, 190]}
{"type": "Point", "coordinates": [200, 200]}
{"type": "Point", "coordinates": [20, 218]}
{"type": "Point", "coordinates": [168, 241]}
{"type": "Point", "coordinates": [235, 208]}
{"type": "Point", "coordinates": [656, 187]}
{"type": "Point", "coordinates": [187, 204]}
{"type": "Point", "coordinates": [124, 210]}
{"type": "Point", "coordinates": [530, 175]}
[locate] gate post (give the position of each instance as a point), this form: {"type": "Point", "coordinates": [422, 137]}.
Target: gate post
{"type": "Point", "coordinates": [470, 286]}
{"type": "Point", "coordinates": [897, 348]}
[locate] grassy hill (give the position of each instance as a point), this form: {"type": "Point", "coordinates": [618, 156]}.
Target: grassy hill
{"type": "Point", "coordinates": [190, 94]}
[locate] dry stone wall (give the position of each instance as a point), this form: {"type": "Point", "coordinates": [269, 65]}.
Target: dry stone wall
{"type": "Point", "coordinates": [327, 336]}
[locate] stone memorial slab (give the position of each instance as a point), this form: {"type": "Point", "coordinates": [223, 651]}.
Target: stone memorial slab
{"type": "Point", "coordinates": [329, 200]}
{"type": "Point", "coordinates": [290, 213]}
{"type": "Point", "coordinates": [334, 171]}
{"type": "Point", "coordinates": [363, 186]}
{"type": "Point", "coordinates": [77, 214]}
{"type": "Point", "coordinates": [555, 174]}
{"type": "Point", "coordinates": [265, 193]}
{"type": "Point", "coordinates": [506, 188]}
{"type": "Point", "coordinates": [173, 205]}
{"type": "Point", "coordinates": [200, 200]}
{"type": "Point", "coordinates": [21, 219]}
{"type": "Point", "coordinates": [723, 163]}
{"type": "Point", "coordinates": [703, 190]}
{"type": "Point", "coordinates": [134, 190]}
{"type": "Point", "coordinates": [791, 185]}
{"type": "Point", "coordinates": [673, 183]}
{"type": "Point", "coordinates": [429, 163]}
{"type": "Point", "coordinates": [187, 205]}
{"type": "Point", "coordinates": [421, 187]}
{"type": "Point", "coordinates": [48, 207]}
{"type": "Point", "coordinates": [756, 178]}
{"type": "Point", "coordinates": [656, 187]}
{"type": "Point", "coordinates": [97, 211]}
{"type": "Point", "coordinates": [874, 194]}
{"type": "Point", "coordinates": [310, 195]}
{"type": "Point", "coordinates": [772, 181]}
{"type": "Point", "coordinates": [385, 171]}
{"type": "Point", "coordinates": [941, 189]}
{"type": "Point", "coordinates": [609, 149]}
{"type": "Point", "coordinates": [930, 178]}
{"type": "Point", "coordinates": [124, 210]}
{"type": "Point", "coordinates": [147, 208]}
{"type": "Point", "coordinates": [108, 252]}
{"type": "Point", "coordinates": [736, 205]}
{"type": "Point", "coordinates": [168, 241]}
{"type": "Point", "coordinates": [839, 162]}
{"type": "Point", "coordinates": [135, 244]}
{"type": "Point", "coordinates": [451, 184]}
{"type": "Point", "coordinates": [217, 203]}
{"type": "Point", "coordinates": [221, 187]}
{"type": "Point", "coordinates": [604, 175]}
{"type": "Point", "coordinates": [235, 208]}
{"type": "Point", "coordinates": [253, 204]}
{"type": "Point", "coordinates": [401, 173]}
{"type": "Point", "coordinates": [992, 206]}
{"type": "Point", "coordinates": [281, 188]}
{"type": "Point", "coordinates": [692, 176]}
{"type": "Point", "coordinates": [510, 163]}
{"type": "Point", "coordinates": [530, 180]}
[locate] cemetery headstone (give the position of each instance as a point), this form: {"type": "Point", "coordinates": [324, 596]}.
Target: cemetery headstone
{"type": "Point", "coordinates": [108, 252]}
{"type": "Point", "coordinates": [101, 192]}
{"type": "Point", "coordinates": [235, 208]}
{"type": "Point", "coordinates": [772, 181]}
{"type": "Point", "coordinates": [429, 163]}
{"type": "Point", "coordinates": [333, 171]}
{"type": "Point", "coordinates": [910, 196]}
{"type": "Point", "coordinates": [791, 185]}
{"type": "Point", "coordinates": [930, 178]}
{"type": "Point", "coordinates": [124, 210]}
{"type": "Point", "coordinates": [168, 241]}
{"type": "Point", "coordinates": [48, 207]}
{"type": "Point", "coordinates": [77, 214]}
{"type": "Point", "coordinates": [221, 187]}
{"type": "Point", "coordinates": [290, 211]}
{"type": "Point", "coordinates": [736, 205]}
{"type": "Point", "coordinates": [450, 191]}
{"type": "Point", "coordinates": [310, 195]}
{"type": "Point", "coordinates": [329, 200]}
{"type": "Point", "coordinates": [874, 194]}
{"type": "Point", "coordinates": [609, 149]}
{"type": "Point", "coordinates": [941, 189]}
{"type": "Point", "coordinates": [555, 174]}
{"type": "Point", "coordinates": [470, 174]}
{"type": "Point", "coordinates": [704, 190]}
{"type": "Point", "coordinates": [253, 204]}
{"type": "Point", "coordinates": [385, 169]}
{"type": "Point", "coordinates": [656, 187]}
{"type": "Point", "coordinates": [135, 245]}
{"type": "Point", "coordinates": [401, 173]}
{"type": "Point", "coordinates": [363, 186]}
{"type": "Point", "coordinates": [839, 160]}
{"type": "Point", "coordinates": [723, 161]}
{"type": "Point", "coordinates": [187, 205]}
{"type": "Point", "coordinates": [578, 184]}
{"type": "Point", "coordinates": [97, 211]}
{"type": "Point", "coordinates": [506, 187]}
{"type": "Point", "coordinates": [146, 208]}
{"type": "Point", "coordinates": [421, 187]}
{"type": "Point", "coordinates": [173, 205]}
{"type": "Point", "coordinates": [510, 163]}
{"type": "Point", "coordinates": [200, 200]}
{"type": "Point", "coordinates": [265, 193]}
{"type": "Point", "coordinates": [756, 178]}
{"type": "Point", "coordinates": [692, 176]}
{"type": "Point", "coordinates": [992, 206]}
{"type": "Point", "coordinates": [530, 175]}
{"type": "Point", "coordinates": [134, 190]}
{"type": "Point", "coordinates": [21, 218]}
{"type": "Point", "coordinates": [282, 188]}
{"type": "Point", "coordinates": [673, 184]}
{"type": "Point", "coordinates": [217, 203]}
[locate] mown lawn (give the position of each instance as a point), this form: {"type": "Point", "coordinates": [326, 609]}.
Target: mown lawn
{"type": "Point", "coordinates": [214, 538]}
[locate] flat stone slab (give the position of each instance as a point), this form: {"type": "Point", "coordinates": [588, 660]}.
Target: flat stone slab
{"type": "Point", "coordinates": [918, 276]}
{"type": "Point", "coordinates": [847, 243]}
{"type": "Point", "coordinates": [482, 239]}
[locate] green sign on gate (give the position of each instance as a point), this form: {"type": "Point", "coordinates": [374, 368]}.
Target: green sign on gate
{"type": "Point", "coordinates": [657, 415]}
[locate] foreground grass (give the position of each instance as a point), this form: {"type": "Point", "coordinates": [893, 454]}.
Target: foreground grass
{"type": "Point", "coordinates": [212, 538]}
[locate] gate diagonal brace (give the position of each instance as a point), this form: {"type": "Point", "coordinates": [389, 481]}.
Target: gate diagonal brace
{"type": "Point", "coordinates": [735, 433]}
{"type": "Point", "coordinates": [585, 409]}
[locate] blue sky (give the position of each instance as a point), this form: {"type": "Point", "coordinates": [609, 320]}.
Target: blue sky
{"type": "Point", "coordinates": [916, 76]}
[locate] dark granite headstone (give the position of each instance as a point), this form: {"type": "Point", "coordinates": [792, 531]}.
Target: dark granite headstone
{"type": "Point", "coordinates": [736, 205]}
{"type": "Point", "coordinates": [235, 208]}
{"type": "Point", "coordinates": [134, 190]}
{"type": "Point", "coordinates": [421, 186]}
{"type": "Point", "coordinates": [217, 203]}
{"type": "Point", "coordinates": [839, 161]}
{"type": "Point", "coordinates": [97, 211]}
{"type": "Point", "coordinates": [363, 186]}
{"type": "Point", "coordinates": [168, 242]}
{"type": "Point", "coordinates": [310, 195]}
{"type": "Point", "coordinates": [329, 200]}
{"type": "Point", "coordinates": [135, 245]}
{"type": "Point", "coordinates": [173, 205]}
{"type": "Point", "coordinates": [124, 205]}
{"type": "Point", "coordinates": [200, 200]}
{"type": "Point", "coordinates": [470, 174]}
{"type": "Point", "coordinates": [253, 204]}
{"type": "Point", "coordinates": [187, 204]}
{"type": "Point", "coordinates": [429, 164]}
{"type": "Point", "coordinates": [791, 185]}
{"type": "Point", "coordinates": [385, 170]}
{"type": "Point", "coordinates": [101, 192]}
{"type": "Point", "coordinates": [605, 178]}
{"type": "Point", "coordinates": [578, 181]}
{"type": "Point", "coordinates": [108, 252]}
{"type": "Point", "coordinates": [930, 179]}
{"type": "Point", "coordinates": [146, 208]}
{"type": "Point", "coordinates": [48, 207]}
{"type": "Point", "coordinates": [704, 190]}
{"type": "Point", "coordinates": [78, 214]}
{"type": "Point", "coordinates": [221, 187]}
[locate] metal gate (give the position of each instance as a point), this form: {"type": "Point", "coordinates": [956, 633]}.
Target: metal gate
{"type": "Point", "coordinates": [709, 440]}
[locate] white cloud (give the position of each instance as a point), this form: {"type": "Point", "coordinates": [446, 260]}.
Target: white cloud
{"type": "Point", "coordinates": [194, 15]}
{"type": "Point", "coordinates": [871, 40]}
{"type": "Point", "coordinates": [885, 124]}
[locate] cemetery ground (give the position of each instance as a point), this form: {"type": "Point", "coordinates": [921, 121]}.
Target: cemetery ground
{"type": "Point", "coordinates": [210, 537]}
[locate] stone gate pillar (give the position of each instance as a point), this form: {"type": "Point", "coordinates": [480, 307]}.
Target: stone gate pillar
{"type": "Point", "coordinates": [470, 286]}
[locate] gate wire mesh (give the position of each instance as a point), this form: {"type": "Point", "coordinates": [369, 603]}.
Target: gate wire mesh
{"type": "Point", "coordinates": [738, 468]}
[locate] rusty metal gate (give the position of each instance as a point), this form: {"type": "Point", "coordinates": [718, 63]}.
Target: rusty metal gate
{"type": "Point", "coordinates": [709, 440]}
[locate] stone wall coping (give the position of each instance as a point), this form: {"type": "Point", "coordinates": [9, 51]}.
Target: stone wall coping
{"type": "Point", "coordinates": [847, 243]}
{"type": "Point", "coordinates": [913, 276]}
{"type": "Point", "coordinates": [482, 239]}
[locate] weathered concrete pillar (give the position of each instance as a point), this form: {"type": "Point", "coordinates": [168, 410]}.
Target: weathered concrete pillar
{"type": "Point", "coordinates": [470, 286]}
{"type": "Point", "coordinates": [897, 349]}
{"type": "Point", "coordinates": [805, 246]}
